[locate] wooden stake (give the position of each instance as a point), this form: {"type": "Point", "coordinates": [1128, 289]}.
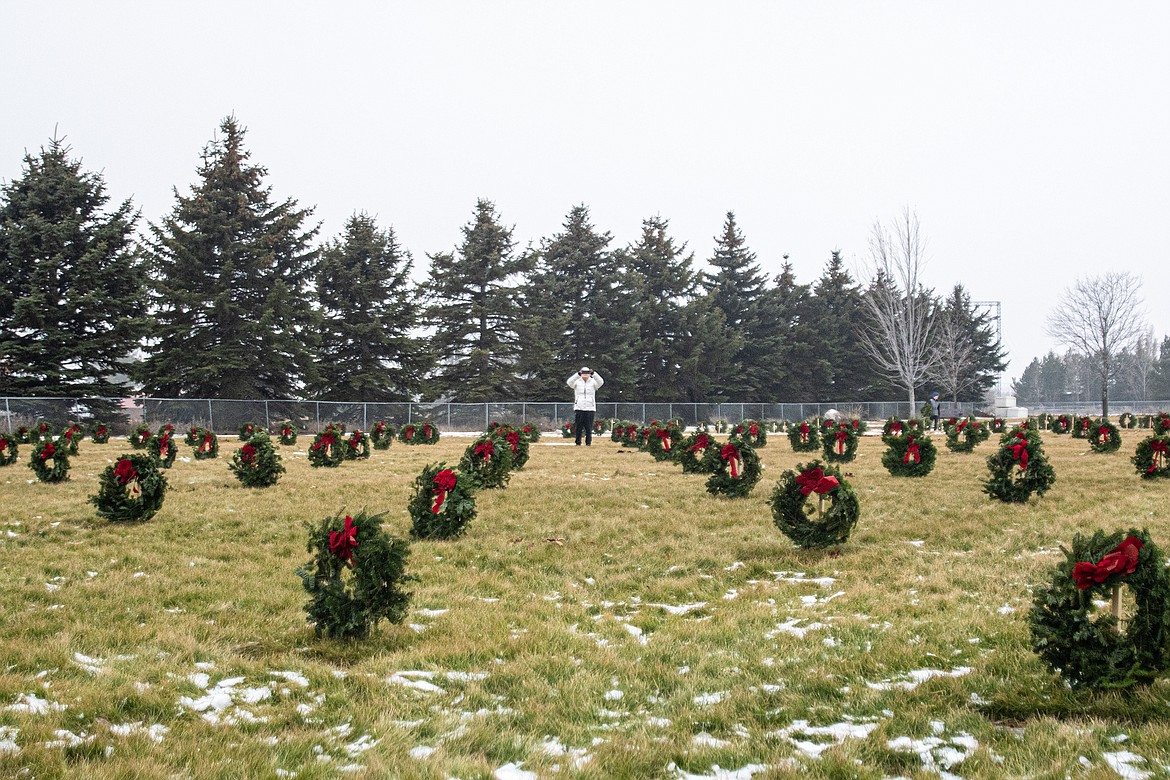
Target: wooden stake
{"type": "Point", "coordinates": [821, 505]}
{"type": "Point", "coordinates": [1117, 607]}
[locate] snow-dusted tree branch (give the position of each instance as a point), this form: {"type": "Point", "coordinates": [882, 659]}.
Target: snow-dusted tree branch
{"type": "Point", "coordinates": [1099, 317]}
{"type": "Point", "coordinates": [898, 337]}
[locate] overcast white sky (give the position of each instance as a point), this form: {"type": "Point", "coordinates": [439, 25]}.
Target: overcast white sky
{"type": "Point", "coordinates": [1033, 139]}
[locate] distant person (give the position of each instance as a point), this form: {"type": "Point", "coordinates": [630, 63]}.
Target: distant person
{"type": "Point", "coordinates": [935, 408]}
{"type": "Point", "coordinates": [585, 383]}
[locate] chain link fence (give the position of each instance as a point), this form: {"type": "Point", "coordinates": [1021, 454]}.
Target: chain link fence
{"type": "Point", "coordinates": [224, 416]}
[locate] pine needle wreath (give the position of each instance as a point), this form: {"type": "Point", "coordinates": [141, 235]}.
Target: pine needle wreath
{"type": "Point", "coordinates": [1019, 469]}
{"type": "Point", "coordinates": [721, 426]}
{"type": "Point", "coordinates": [1025, 426]}
{"type": "Point", "coordinates": [704, 427]}
{"type": "Point", "coordinates": [1061, 424]}
{"type": "Point", "coordinates": [663, 441]}
{"type": "Point", "coordinates": [382, 435]}
{"type": "Point", "coordinates": [625, 432]}
{"type": "Point", "coordinates": [130, 490]}
{"type": "Point", "coordinates": [1081, 427]}
{"type": "Point", "coordinates": [1091, 651]}
{"type": "Point", "coordinates": [912, 455]}
{"type": "Point", "coordinates": [419, 433]}
{"type": "Point", "coordinates": [256, 463]}
{"type": "Point", "coordinates": [443, 503]}
{"type": "Point", "coordinates": [191, 437]}
{"type": "Point", "coordinates": [530, 433]}
{"type": "Point", "coordinates": [693, 453]}
{"type": "Point", "coordinates": [1126, 420]}
{"type": "Point", "coordinates": [893, 428]}
{"type": "Point", "coordinates": [141, 436]}
{"type": "Point", "coordinates": [356, 577]}
{"type": "Point", "coordinates": [1152, 457]}
{"type": "Point", "coordinates": [487, 463]}
{"type": "Point", "coordinates": [753, 432]}
{"type": "Point", "coordinates": [42, 431]}
{"type": "Point", "coordinates": [804, 437]}
{"type": "Point", "coordinates": [736, 470]}
{"type": "Point", "coordinates": [101, 433]}
{"type": "Point", "coordinates": [811, 524]}
{"type": "Point", "coordinates": [840, 444]}
{"type": "Point", "coordinates": [915, 425]}
{"type": "Point", "coordinates": [1144, 420]}
{"type": "Point", "coordinates": [858, 425]}
{"type": "Point", "coordinates": [997, 425]}
{"type": "Point", "coordinates": [513, 439]}
{"type": "Point", "coordinates": [70, 439]}
{"type": "Point", "coordinates": [1160, 423]}
{"type": "Point", "coordinates": [966, 435]}
{"type": "Point", "coordinates": [287, 433]}
{"type": "Point", "coordinates": [24, 435]}
{"type": "Point", "coordinates": [601, 425]}
{"type": "Point", "coordinates": [327, 450]}
{"type": "Point", "coordinates": [1104, 436]}
{"type": "Point", "coordinates": [357, 446]}
{"type": "Point", "coordinates": [49, 462]}
{"type": "Point", "coordinates": [8, 449]}
{"type": "Point", "coordinates": [164, 449]}
{"type": "Point", "coordinates": [568, 430]}
{"type": "Point", "coordinates": [206, 444]}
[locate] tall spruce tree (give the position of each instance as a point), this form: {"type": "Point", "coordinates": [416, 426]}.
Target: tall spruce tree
{"type": "Point", "coordinates": [971, 357]}
{"type": "Point", "coordinates": [473, 309]}
{"type": "Point", "coordinates": [781, 346]}
{"type": "Point", "coordinates": [232, 273]}
{"type": "Point", "coordinates": [368, 309]}
{"type": "Point", "coordinates": [838, 368]}
{"type": "Point", "coordinates": [71, 283]}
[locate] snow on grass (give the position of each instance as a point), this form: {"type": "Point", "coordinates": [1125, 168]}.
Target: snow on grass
{"type": "Point", "coordinates": [703, 739]}
{"type": "Point", "coordinates": [34, 705]}
{"type": "Point", "coordinates": [917, 677]}
{"type": "Point", "coordinates": [1123, 763]}
{"type": "Point", "coordinates": [799, 577]}
{"type": "Point", "coordinates": [155, 733]}
{"type": "Point", "coordinates": [8, 735]}
{"type": "Point", "coordinates": [512, 771]}
{"type": "Point", "coordinates": [707, 699]}
{"type": "Point", "coordinates": [296, 678]}
{"type": "Point", "coordinates": [743, 773]}
{"type": "Point", "coordinates": [837, 732]}
{"type": "Point", "coordinates": [422, 752]}
{"type": "Point", "coordinates": [792, 626]}
{"type": "Point", "coordinates": [67, 739]}
{"type": "Point", "coordinates": [680, 609]}
{"type": "Point", "coordinates": [407, 679]}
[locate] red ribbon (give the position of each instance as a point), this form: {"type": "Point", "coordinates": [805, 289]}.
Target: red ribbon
{"type": "Point", "coordinates": [1102, 433]}
{"type": "Point", "coordinates": [856, 423]}
{"type": "Point", "coordinates": [1159, 451]}
{"type": "Point", "coordinates": [206, 446]}
{"type": "Point", "coordinates": [48, 451]}
{"type": "Point", "coordinates": [804, 432]}
{"type": "Point", "coordinates": [101, 431]}
{"type": "Point", "coordinates": [1020, 453]}
{"type": "Point", "coordinates": [754, 430]}
{"type": "Point", "coordinates": [164, 443]}
{"type": "Point", "coordinates": [815, 481]}
{"type": "Point", "coordinates": [1123, 560]}
{"type": "Point", "coordinates": [842, 437]}
{"type": "Point", "coordinates": [408, 433]}
{"type": "Point", "coordinates": [444, 484]}
{"type": "Point", "coordinates": [3, 444]}
{"type": "Point", "coordinates": [248, 454]}
{"type": "Point", "coordinates": [341, 543]}
{"type": "Point", "coordinates": [702, 442]}
{"type": "Point", "coordinates": [664, 434]}
{"type": "Point", "coordinates": [513, 438]}
{"type": "Point", "coordinates": [730, 454]}
{"type": "Point", "coordinates": [355, 441]}
{"type": "Point", "coordinates": [962, 424]}
{"type": "Point", "coordinates": [912, 452]}
{"type": "Point", "coordinates": [327, 441]}
{"type": "Point", "coordinates": [125, 471]}
{"type": "Point", "coordinates": [896, 429]}
{"type": "Point", "coordinates": [426, 431]}
{"type": "Point", "coordinates": [485, 449]}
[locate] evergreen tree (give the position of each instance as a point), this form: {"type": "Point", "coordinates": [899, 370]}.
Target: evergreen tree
{"type": "Point", "coordinates": [1160, 376]}
{"type": "Point", "coordinates": [970, 356]}
{"type": "Point", "coordinates": [231, 275]}
{"type": "Point", "coordinates": [837, 368]}
{"type": "Point", "coordinates": [71, 283]}
{"type": "Point", "coordinates": [368, 310]}
{"type": "Point", "coordinates": [1027, 388]}
{"type": "Point", "coordinates": [475, 313]}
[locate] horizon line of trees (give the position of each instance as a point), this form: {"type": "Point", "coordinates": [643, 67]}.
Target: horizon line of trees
{"type": "Point", "coordinates": [231, 294]}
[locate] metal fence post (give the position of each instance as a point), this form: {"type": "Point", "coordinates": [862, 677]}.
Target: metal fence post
{"type": "Point", "coordinates": [318, 405]}
{"type": "Point", "coordinates": [486, 423]}
{"type": "Point", "coordinates": [267, 416]}
{"type": "Point", "coordinates": [365, 416]}
{"type": "Point", "coordinates": [643, 414]}
{"type": "Point", "coordinates": [448, 416]}
{"type": "Point", "coordinates": [523, 414]}
{"type": "Point", "coordinates": [8, 415]}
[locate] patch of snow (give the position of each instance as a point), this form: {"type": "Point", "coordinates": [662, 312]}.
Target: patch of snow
{"type": "Point", "coordinates": [703, 739]}
{"type": "Point", "coordinates": [295, 678]}
{"type": "Point", "coordinates": [797, 577]}
{"type": "Point", "coordinates": [8, 735]}
{"type": "Point", "coordinates": [361, 745]}
{"type": "Point", "coordinates": [917, 677]}
{"type": "Point", "coordinates": [512, 771]}
{"type": "Point", "coordinates": [680, 609]}
{"type": "Point", "coordinates": [422, 752]}
{"type": "Point", "coordinates": [418, 685]}
{"type": "Point", "coordinates": [154, 733]}
{"type": "Point", "coordinates": [1122, 762]}
{"type": "Point", "coordinates": [432, 612]}
{"type": "Point", "coordinates": [91, 665]}
{"type": "Point", "coordinates": [1006, 609]}
{"type": "Point", "coordinates": [636, 633]}
{"type": "Point", "coordinates": [466, 676]}
{"type": "Point", "coordinates": [34, 705]}
{"type": "Point", "coordinates": [743, 773]}
{"type": "Point", "coordinates": [791, 626]}
{"type": "Point", "coordinates": [705, 699]}
{"type": "Point", "coordinates": [67, 739]}
{"type": "Point", "coordinates": [255, 695]}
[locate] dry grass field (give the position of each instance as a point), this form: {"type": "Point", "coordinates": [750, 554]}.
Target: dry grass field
{"type": "Point", "coordinates": [603, 617]}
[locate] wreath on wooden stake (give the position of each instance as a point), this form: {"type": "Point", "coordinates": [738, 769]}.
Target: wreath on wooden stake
{"type": "Point", "coordinates": [23, 435]}
{"type": "Point", "coordinates": [1104, 437]}
{"type": "Point", "coordinates": [893, 428]}
{"type": "Point", "coordinates": [624, 432]}
{"type": "Point", "coordinates": [356, 576]}
{"type": "Point", "coordinates": [382, 435]}
{"type": "Point", "coordinates": [663, 441]}
{"type": "Point", "coordinates": [840, 444]}
{"type": "Point", "coordinates": [140, 436]}
{"type": "Point", "coordinates": [485, 464]}
{"type": "Point", "coordinates": [530, 433]}
{"type": "Point", "coordinates": [752, 432]}
{"type": "Point", "coordinates": [327, 450]}
{"type": "Point", "coordinates": [1152, 457]}
{"type": "Point", "coordinates": [1126, 420]}
{"type": "Point", "coordinates": [287, 433]}
{"type": "Point", "coordinates": [256, 464]}
{"type": "Point", "coordinates": [206, 444]}
{"type": "Point", "coordinates": [997, 425]}
{"type": "Point", "coordinates": [507, 436]}
{"type": "Point", "coordinates": [693, 453]}
{"type": "Point", "coordinates": [966, 434]}
{"type": "Point", "coordinates": [248, 430]}
{"type": "Point", "coordinates": [100, 434]}
{"type": "Point", "coordinates": [1081, 427]}
{"type": "Point", "coordinates": [912, 455]}
{"type": "Point", "coordinates": [812, 524]}
{"type": "Point", "coordinates": [49, 462]}
{"type": "Point", "coordinates": [357, 446]}
{"type": "Point", "coordinates": [1105, 651]}
{"type": "Point", "coordinates": [71, 437]}
{"type": "Point", "coordinates": [8, 453]}
{"type": "Point", "coordinates": [1160, 423]}
{"type": "Point", "coordinates": [164, 449]}
{"type": "Point", "coordinates": [568, 430]}
{"type": "Point", "coordinates": [1061, 424]}
{"type": "Point", "coordinates": [1019, 469]}
{"type": "Point", "coordinates": [736, 470]}
{"type": "Point", "coordinates": [419, 433]}
{"type": "Point", "coordinates": [130, 490]}
{"type": "Point", "coordinates": [443, 503]}
{"type": "Point", "coordinates": [602, 425]}
{"type": "Point", "coordinates": [43, 430]}
{"type": "Point", "coordinates": [804, 437]}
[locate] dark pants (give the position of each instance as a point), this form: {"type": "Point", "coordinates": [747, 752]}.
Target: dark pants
{"type": "Point", "coordinates": [583, 423]}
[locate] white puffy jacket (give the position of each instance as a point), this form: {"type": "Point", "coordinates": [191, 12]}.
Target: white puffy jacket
{"type": "Point", "coordinates": [585, 392]}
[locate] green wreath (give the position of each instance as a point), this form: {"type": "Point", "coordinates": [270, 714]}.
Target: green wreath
{"type": "Point", "coordinates": [811, 524]}
{"type": "Point", "coordinates": [1126, 420]}
{"type": "Point", "coordinates": [840, 445]}
{"type": "Point", "coordinates": [915, 425]}
{"type": "Point", "coordinates": [419, 433]}
{"type": "Point", "coordinates": [140, 436]}
{"type": "Point", "coordinates": [1160, 423]}
{"type": "Point", "coordinates": [24, 435]}
{"type": "Point", "coordinates": [131, 490]}
{"type": "Point", "coordinates": [487, 463]}
{"type": "Point", "coordinates": [1061, 424]}
{"type": "Point", "coordinates": [101, 433]}
{"type": "Point", "coordinates": [858, 425]}
{"type": "Point", "coordinates": [804, 437]}
{"type": "Point", "coordinates": [1081, 427]}
{"type": "Point", "coordinates": [206, 444]}
{"type": "Point", "coordinates": [43, 431]}
{"type": "Point", "coordinates": [753, 432]}
{"type": "Point", "coordinates": [248, 430]}
{"type": "Point", "coordinates": [256, 463]}
{"type": "Point", "coordinates": [530, 433]}
{"type": "Point", "coordinates": [513, 439]}
{"type": "Point", "coordinates": [1104, 437]}
{"type": "Point", "coordinates": [357, 446]}
{"type": "Point", "coordinates": [997, 425]}
{"type": "Point", "coordinates": [721, 426]}
{"type": "Point", "coordinates": [70, 440]}
{"type": "Point", "coordinates": [912, 455]}
{"type": "Point", "coordinates": [1019, 469]}
{"type": "Point", "coordinates": [704, 427]}
{"type": "Point", "coordinates": [382, 435]}
{"type": "Point", "coordinates": [966, 434]}
{"type": "Point", "coordinates": [1025, 426]}
{"type": "Point", "coordinates": [1152, 457]}
{"type": "Point", "coordinates": [693, 453]}
{"type": "Point", "coordinates": [443, 503]}
{"type": "Point", "coordinates": [1093, 652]}
{"type": "Point", "coordinates": [893, 428]}
{"type": "Point", "coordinates": [625, 432]}
{"type": "Point", "coordinates": [601, 426]}
{"type": "Point", "coordinates": [736, 470]}
{"type": "Point", "coordinates": [327, 450]}
{"type": "Point", "coordinates": [49, 462]}
{"type": "Point", "coordinates": [164, 450]}
{"type": "Point", "coordinates": [356, 576]}
{"type": "Point", "coordinates": [664, 441]}
{"type": "Point", "coordinates": [191, 438]}
{"type": "Point", "coordinates": [8, 452]}
{"type": "Point", "coordinates": [568, 430]}
{"type": "Point", "coordinates": [287, 433]}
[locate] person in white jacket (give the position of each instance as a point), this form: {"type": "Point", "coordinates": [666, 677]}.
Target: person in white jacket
{"type": "Point", "coordinates": [585, 383]}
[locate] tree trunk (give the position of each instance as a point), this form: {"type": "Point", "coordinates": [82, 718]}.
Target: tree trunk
{"type": "Point", "coordinates": [1105, 388]}
{"type": "Point", "coordinates": [913, 410]}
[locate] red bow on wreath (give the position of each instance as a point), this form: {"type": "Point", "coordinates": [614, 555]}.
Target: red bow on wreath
{"type": "Point", "coordinates": [444, 483]}
{"type": "Point", "coordinates": [896, 428]}
{"type": "Point", "coordinates": [48, 451]}
{"type": "Point", "coordinates": [125, 471]}
{"type": "Point", "coordinates": [248, 454]}
{"type": "Point", "coordinates": [342, 543]}
{"type": "Point", "coordinates": [426, 431]}
{"type": "Point", "coordinates": [327, 441]}
{"type": "Point", "coordinates": [702, 442]}
{"type": "Point", "coordinates": [1102, 432]}
{"type": "Point", "coordinates": [730, 454]}
{"type": "Point", "coordinates": [804, 431]}
{"type": "Point", "coordinates": [912, 452]}
{"type": "Point", "coordinates": [1123, 560]}
{"type": "Point", "coordinates": [1020, 452]}
{"type": "Point", "coordinates": [206, 446]}
{"type": "Point", "coordinates": [754, 430]}
{"type": "Point", "coordinates": [164, 444]}
{"type": "Point", "coordinates": [664, 434]}
{"type": "Point", "coordinates": [842, 438]}
{"type": "Point", "coordinates": [485, 449]}
{"type": "Point", "coordinates": [355, 440]}
{"type": "Point", "coordinates": [1158, 451]}
{"type": "Point", "coordinates": [408, 433]}
{"type": "Point", "coordinates": [513, 438]}
{"type": "Point", "coordinates": [815, 481]}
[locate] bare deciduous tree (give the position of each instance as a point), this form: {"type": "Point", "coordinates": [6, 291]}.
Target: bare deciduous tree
{"type": "Point", "coordinates": [954, 349]}
{"type": "Point", "coordinates": [1099, 317]}
{"type": "Point", "coordinates": [899, 335]}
